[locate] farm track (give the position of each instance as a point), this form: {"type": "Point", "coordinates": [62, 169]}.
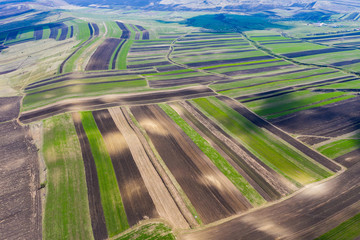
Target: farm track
{"type": "Point", "coordinates": [212, 194]}
{"type": "Point", "coordinates": [164, 203]}
{"type": "Point", "coordinates": [265, 180]}
{"type": "Point", "coordinates": [94, 103]}
{"type": "Point", "coordinates": [308, 214]}
{"type": "Point", "coordinates": [281, 134]}
{"type": "Point", "coordinates": [100, 60]}
{"type": "Point", "coordinates": [135, 196]}
{"type": "Point", "coordinates": [96, 211]}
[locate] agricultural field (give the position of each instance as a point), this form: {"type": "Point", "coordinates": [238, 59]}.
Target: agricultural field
{"type": "Point", "coordinates": [177, 121]}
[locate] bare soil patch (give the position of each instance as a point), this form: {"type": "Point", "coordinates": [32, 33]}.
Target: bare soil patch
{"type": "Point", "coordinates": [101, 58]}
{"type": "Point", "coordinates": [212, 194]}
{"type": "Point", "coordinates": [9, 108]}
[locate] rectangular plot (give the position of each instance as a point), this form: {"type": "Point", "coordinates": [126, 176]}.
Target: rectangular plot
{"type": "Point", "coordinates": [64, 32]}
{"type": "Point", "coordinates": [136, 199]}
{"type": "Point", "coordinates": [96, 210]}
{"type": "Point", "coordinates": [101, 58]}
{"type": "Point", "coordinates": [212, 194]}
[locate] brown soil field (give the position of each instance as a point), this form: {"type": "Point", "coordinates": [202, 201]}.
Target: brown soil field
{"type": "Point", "coordinates": [9, 108]}
{"type": "Point", "coordinates": [91, 30]}
{"type": "Point", "coordinates": [331, 120]}
{"type": "Point", "coordinates": [259, 70]}
{"type": "Point", "coordinates": [183, 81]}
{"type": "Point", "coordinates": [38, 33]}
{"type": "Point", "coordinates": [148, 49]}
{"type": "Point", "coordinates": [125, 31]}
{"type": "Point", "coordinates": [135, 196]}
{"type": "Point", "coordinates": [169, 68]}
{"type": "Point", "coordinates": [344, 63]}
{"type": "Point", "coordinates": [101, 58]}
{"type": "Point", "coordinates": [251, 64]}
{"type": "Point", "coordinates": [146, 34]}
{"type": "Point", "coordinates": [71, 31]}
{"type": "Point", "coordinates": [96, 29]}
{"type": "Point", "coordinates": [137, 33]}
{"type": "Point", "coordinates": [229, 61]}
{"type": "Point", "coordinates": [312, 212]}
{"type": "Point", "coordinates": [96, 211]}
{"type": "Point", "coordinates": [311, 140]}
{"type": "Point", "coordinates": [212, 194]}
{"type": "Point", "coordinates": [349, 159]}
{"type": "Point", "coordinates": [64, 32]}
{"type": "Point", "coordinates": [54, 32]}
{"type": "Point", "coordinates": [20, 204]}
{"type": "Point", "coordinates": [281, 134]}
{"type": "Point", "coordinates": [265, 180]}
{"type": "Point", "coordinates": [164, 203]}
{"type": "Point", "coordinates": [134, 60]}
{"type": "Point", "coordinates": [315, 52]}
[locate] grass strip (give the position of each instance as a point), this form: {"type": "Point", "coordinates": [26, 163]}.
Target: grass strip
{"type": "Point", "coordinates": [275, 153]}
{"type": "Point", "coordinates": [220, 162]}
{"type": "Point", "coordinates": [66, 198]}
{"type": "Point", "coordinates": [151, 231]}
{"type": "Point", "coordinates": [347, 230]}
{"type": "Point", "coordinates": [121, 61]}
{"type": "Point", "coordinates": [114, 212]}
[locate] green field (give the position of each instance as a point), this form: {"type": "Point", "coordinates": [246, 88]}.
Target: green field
{"type": "Point", "coordinates": [220, 162]}
{"type": "Point", "coordinates": [272, 151]}
{"type": "Point", "coordinates": [66, 197]}
{"type": "Point", "coordinates": [115, 216]}
{"type": "Point", "coordinates": [150, 231]}
{"type": "Point", "coordinates": [338, 148]}
{"type": "Point", "coordinates": [347, 230]}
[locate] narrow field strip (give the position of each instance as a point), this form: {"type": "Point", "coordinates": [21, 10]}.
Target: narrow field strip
{"type": "Point", "coordinates": [220, 162]}
{"type": "Point", "coordinates": [67, 200]}
{"type": "Point", "coordinates": [212, 194]}
{"type": "Point", "coordinates": [259, 122]}
{"type": "Point", "coordinates": [273, 152]}
{"type": "Point", "coordinates": [115, 216]}
{"type": "Point", "coordinates": [135, 196]}
{"type": "Point", "coordinates": [93, 190]}
{"type": "Point", "coordinates": [164, 202]}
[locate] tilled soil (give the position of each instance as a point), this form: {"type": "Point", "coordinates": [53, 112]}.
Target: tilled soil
{"type": "Point", "coordinates": [228, 61]}
{"type": "Point", "coordinates": [20, 205]}
{"type": "Point", "coordinates": [135, 196]}
{"type": "Point", "coordinates": [212, 194]}
{"type": "Point", "coordinates": [101, 58]}
{"type": "Point", "coordinates": [332, 120]}
{"type": "Point", "coordinates": [307, 215]}
{"type": "Point", "coordinates": [9, 108]}
{"type": "Point", "coordinates": [349, 159]}
{"type": "Point", "coordinates": [96, 211]}
{"type": "Point", "coordinates": [164, 203]}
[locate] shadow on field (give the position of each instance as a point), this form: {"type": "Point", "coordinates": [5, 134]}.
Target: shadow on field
{"type": "Point", "coordinates": [234, 23]}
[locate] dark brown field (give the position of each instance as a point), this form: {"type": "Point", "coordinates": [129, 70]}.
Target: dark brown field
{"type": "Point", "coordinates": [96, 29]}
{"type": "Point", "coordinates": [259, 70]}
{"type": "Point", "coordinates": [331, 120]}
{"type": "Point", "coordinates": [135, 196]}
{"type": "Point", "coordinates": [312, 212]}
{"type": "Point", "coordinates": [145, 33]}
{"type": "Point", "coordinates": [315, 52]}
{"type": "Point", "coordinates": [96, 211]}
{"type": "Point", "coordinates": [265, 180]}
{"type": "Point", "coordinates": [64, 32]}
{"type": "Point", "coordinates": [212, 194]}
{"type": "Point", "coordinates": [20, 205]}
{"type": "Point", "coordinates": [125, 31]}
{"type": "Point", "coordinates": [114, 100]}
{"type": "Point", "coordinates": [9, 108]}
{"type": "Point", "coordinates": [101, 58]}
{"type": "Point", "coordinates": [286, 137]}
{"type": "Point", "coordinates": [38, 32]}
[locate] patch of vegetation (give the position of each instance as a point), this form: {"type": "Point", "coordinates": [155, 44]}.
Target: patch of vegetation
{"type": "Point", "coordinates": [66, 198]}
{"type": "Point", "coordinates": [339, 148]}
{"type": "Point", "coordinates": [151, 231]}
{"type": "Point", "coordinates": [274, 152]}
{"type": "Point", "coordinates": [347, 230]}
{"type": "Point", "coordinates": [114, 212]}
